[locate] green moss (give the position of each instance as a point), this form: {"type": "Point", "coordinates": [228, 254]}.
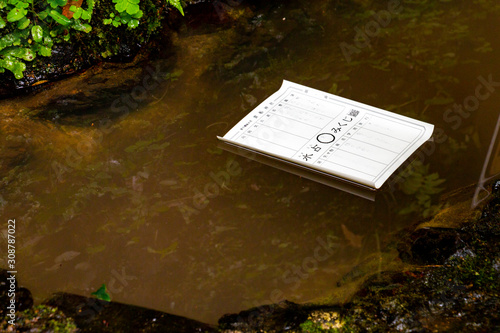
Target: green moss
{"type": "Point", "coordinates": [41, 318]}
{"type": "Point", "coordinates": [326, 322]}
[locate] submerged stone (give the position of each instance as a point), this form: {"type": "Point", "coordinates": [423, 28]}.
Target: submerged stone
{"type": "Point", "coordinates": [94, 315]}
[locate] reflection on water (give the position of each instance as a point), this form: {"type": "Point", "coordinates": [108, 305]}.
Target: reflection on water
{"type": "Point", "coordinates": [138, 196]}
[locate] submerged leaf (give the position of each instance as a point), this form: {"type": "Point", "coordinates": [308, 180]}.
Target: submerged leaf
{"type": "Point", "coordinates": [102, 294]}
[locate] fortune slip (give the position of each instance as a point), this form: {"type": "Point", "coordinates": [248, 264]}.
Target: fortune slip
{"type": "Point", "coordinates": [330, 134]}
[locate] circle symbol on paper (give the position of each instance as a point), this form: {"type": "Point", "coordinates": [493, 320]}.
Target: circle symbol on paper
{"type": "Point", "coordinates": [325, 138]}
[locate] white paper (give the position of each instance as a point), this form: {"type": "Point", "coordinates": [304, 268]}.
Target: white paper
{"type": "Point", "coordinates": [331, 134]}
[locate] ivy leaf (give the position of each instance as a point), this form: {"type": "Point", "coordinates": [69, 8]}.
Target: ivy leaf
{"type": "Point", "coordinates": [121, 5]}
{"type": "Point", "coordinates": [23, 23]}
{"type": "Point", "coordinates": [37, 33]}
{"type": "Point", "coordinates": [132, 8]}
{"type": "Point", "coordinates": [16, 14]}
{"type": "Point", "coordinates": [22, 5]}
{"type": "Point", "coordinates": [133, 23]}
{"type": "Point", "coordinates": [138, 15]}
{"type": "Point", "coordinates": [102, 294]}
{"type": "Point", "coordinates": [14, 65]}
{"type": "Point", "coordinates": [77, 25]}
{"type": "Point", "coordinates": [20, 52]}
{"type": "Point", "coordinates": [57, 3]}
{"type": "Point", "coordinates": [86, 15]}
{"type": "Point", "coordinates": [77, 13]}
{"type": "Point", "coordinates": [45, 51]}
{"type": "Point", "coordinates": [43, 14]}
{"type": "Point", "coordinates": [59, 18]}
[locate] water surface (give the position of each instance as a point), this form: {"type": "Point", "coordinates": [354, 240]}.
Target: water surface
{"type": "Point", "coordinates": [134, 191]}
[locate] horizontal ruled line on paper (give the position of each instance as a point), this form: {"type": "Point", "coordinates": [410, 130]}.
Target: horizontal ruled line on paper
{"type": "Point", "coordinates": [357, 162]}
{"type": "Point", "coordinates": [290, 126]}
{"type": "Point", "coordinates": [375, 148]}
{"type": "Point", "coordinates": [392, 129]}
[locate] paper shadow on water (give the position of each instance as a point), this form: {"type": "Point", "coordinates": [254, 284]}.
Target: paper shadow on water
{"type": "Point", "coordinates": [364, 192]}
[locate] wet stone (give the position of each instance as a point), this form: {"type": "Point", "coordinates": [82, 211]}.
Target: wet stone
{"type": "Point", "coordinates": [24, 299]}
{"type": "Point", "coordinates": [93, 315]}
{"type": "Point", "coordinates": [430, 246]}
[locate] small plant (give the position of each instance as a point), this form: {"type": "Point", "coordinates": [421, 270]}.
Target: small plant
{"type": "Point", "coordinates": [30, 28]}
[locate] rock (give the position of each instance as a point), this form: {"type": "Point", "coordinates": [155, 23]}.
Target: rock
{"type": "Point", "coordinates": [40, 319]}
{"type": "Point", "coordinates": [430, 246]}
{"type": "Point", "coordinates": [93, 315]}
{"type": "Point", "coordinates": [267, 318]}
{"type": "Point", "coordinates": [23, 297]}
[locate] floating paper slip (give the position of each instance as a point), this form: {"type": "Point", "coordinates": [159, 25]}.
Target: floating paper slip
{"type": "Point", "coordinates": [330, 134]}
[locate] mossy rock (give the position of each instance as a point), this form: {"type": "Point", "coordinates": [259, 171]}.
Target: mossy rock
{"type": "Point", "coordinates": [40, 318]}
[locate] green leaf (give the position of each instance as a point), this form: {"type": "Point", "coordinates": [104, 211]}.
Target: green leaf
{"type": "Point", "coordinates": [121, 6]}
{"type": "Point", "coordinates": [107, 21]}
{"type": "Point", "coordinates": [57, 3]}
{"type": "Point", "coordinates": [45, 51]}
{"type": "Point", "coordinates": [2, 23]}
{"type": "Point", "coordinates": [43, 14]}
{"type": "Point", "coordinates": [20, 52]}
{"type": "Point", "coordinates": [77, 25]}
{"type": "Point", "coordinates": [138, 15]}
{"type": "Point", "coordinates": [14, 65]}
{"type": "Point", "coordinates": [176, 4]}
{"type": "Point", "coordinates": [59, 18]}
{"type": "Point", "coordinates": [23, 23]}
{"type": "Point", "coordinates": [133, 23]}
{"type": "Point", "coordinates": [86, 15]}
{"type": "Point", "coordinates": [77, 13]}
{"type": "Point", "coordinates": [16, 14]}
{"type": "Point", "coordinates": [102, 294]}
{"type": "Point", "coordinates": [132, 8]}
{"type": "Point", "coordinates": [37, 33]}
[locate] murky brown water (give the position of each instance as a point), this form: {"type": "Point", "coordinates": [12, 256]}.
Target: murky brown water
{"type": "Point", "coordinates": [148, 204]}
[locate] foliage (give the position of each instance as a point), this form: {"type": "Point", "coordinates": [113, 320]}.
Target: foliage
{"type": "Point", "coordinates": [421, 186]}
{"type": "Point", "coordinates": [30, 28]}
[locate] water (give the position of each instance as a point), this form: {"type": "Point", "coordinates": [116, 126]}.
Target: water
{"type": "Point", "coordinates": [137, 194]}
